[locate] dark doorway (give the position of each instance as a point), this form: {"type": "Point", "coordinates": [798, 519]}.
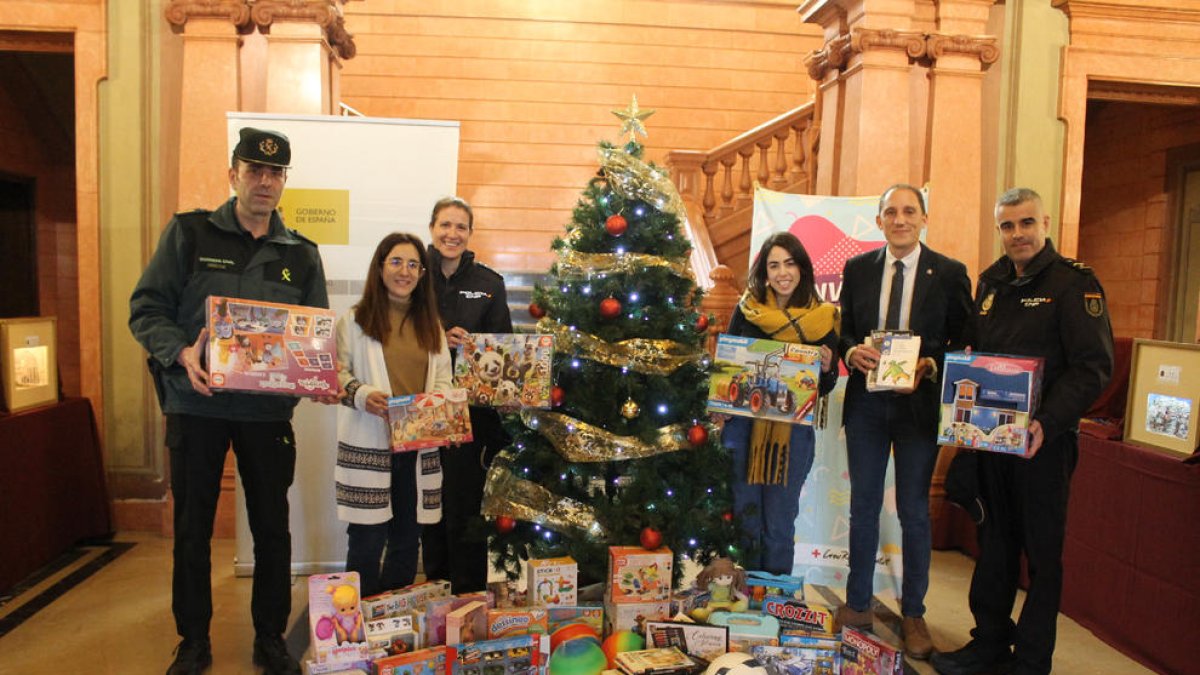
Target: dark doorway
{"type": "Point", "coordinates": [18, 255]}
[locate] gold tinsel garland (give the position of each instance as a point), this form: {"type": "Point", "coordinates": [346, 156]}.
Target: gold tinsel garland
{"type": "Point", "coordinates": [579, 441]}
{"type": "Point", "coordinates": [504, 494]}
{"type": "Point", "coordinates": [576, 264]}
{"type": "Point", "coordinates": [632, 178]}
{"type": "Point", "coordinates": [649, 357]}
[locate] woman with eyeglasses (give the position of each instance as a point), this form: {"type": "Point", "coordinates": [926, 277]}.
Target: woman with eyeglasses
{"type": "Point", "coordinates": [390, 344]}
{"type": "Point", "coordinates": [471, 299]}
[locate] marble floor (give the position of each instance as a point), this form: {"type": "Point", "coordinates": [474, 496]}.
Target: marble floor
{"type": "Point", "coordinates": [107, 611]}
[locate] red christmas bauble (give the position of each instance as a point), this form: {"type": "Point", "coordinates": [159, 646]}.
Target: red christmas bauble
{"type": "Point", "coordinates": [505, 524]}
{"type": "Point", "coordinates": [698, 435]}
{"type": "Point", "coordinates": [701, 323]}
{"type": "Point", "coordinates": [650, 538]}
{"type": "Point", "coordinates": [556, 396]}
{"type": "Point", "coordinates": [536, 310]}
{"type": "Point", "coordinates": [728, 516]}
{"type": "Point", "coordinates": [610, 308]}
{"type": "Point", "coordinates": [616, 225]}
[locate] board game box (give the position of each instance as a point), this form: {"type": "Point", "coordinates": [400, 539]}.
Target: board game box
{"type": "Point", "coordinates": [505, 370]}
{"type": "Point", "coordinates": [988, 401]}
{"type": "Point", "coordinates": [799, 659]}
{"type": "Point", "coordinates": [657, 661]}
{"type": "Point", "coordinates": [798, 615]}
{"type": "Point", "coordinates": [429, 420]}
{"type": "Point", "coordinates": [270, 348]}
{"type": "Point", "coordinates": [696, 639]}
{"type": "Point", "coordinates": [765, 379]}
{"type": "Point", "coordinates": [865, 654]}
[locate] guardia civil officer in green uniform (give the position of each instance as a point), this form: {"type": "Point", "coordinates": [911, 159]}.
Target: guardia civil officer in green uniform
{"type": "Point", "coordinates": [242, 250]}
{"type": "Point", "coordinates": [1031, 302]}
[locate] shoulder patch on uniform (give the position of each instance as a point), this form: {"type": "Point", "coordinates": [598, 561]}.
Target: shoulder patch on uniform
{"type": "Point", "coordinates": [1093, 303]}
{"type": "Point", "coordinates": [1078, 266]}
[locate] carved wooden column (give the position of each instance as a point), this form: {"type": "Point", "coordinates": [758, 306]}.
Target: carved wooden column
{"type": "Point", "coordinates": [719, 301]}
{"type": "Point", "coordinates": [211, 77]}
{"type": "Point", "coordinates": [871, 125]}
{"type": "Point", "coordinates": [305, 41]}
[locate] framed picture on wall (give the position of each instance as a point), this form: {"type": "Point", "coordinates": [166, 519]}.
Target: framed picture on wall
{"type": "Point", "coordinates": [28, 362]}
{"type": "Point", "coordinates": [1164, 396]}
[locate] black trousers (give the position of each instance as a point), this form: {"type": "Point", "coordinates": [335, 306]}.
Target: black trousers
{"type": "Point", "coordinates": [394, 541]}
{"type": "Point", "coordinates": [455, 549]}
{"type": "Point", "coordinates": [266, 463]}
{"type": "Point", "coordinates": [1026, 502]}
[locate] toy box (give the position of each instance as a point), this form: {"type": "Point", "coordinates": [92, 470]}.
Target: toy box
{"type": "Point", "coordinates": [747, 630]}
{"type": "Point", "coordinates": [516, 655]}
{"type": "Point", "coordinates": [797, 615]}
{"type": "Point", "coordinates": [552, 581]}
{"type": "Point", "coordinates": [467, 623]}
{"type": "Point", "coordinates": [988, 401]}
{"type": "Point", "coordinates": [350, 667]}
{"type": "Point", "coordinates": [638, 575]}
{"type": "Point", "coordinates": [557, 617]}
{"type": "Point", "coordinates": [761, 584]}
{"type": "Point", "coordinates": [336, 618]}
{"type": "Point", "coordinates": [865, 654]}
{"type": "Point", "coordinates": [684, 601]}
{"type": "Point", "coordinates": [436, 610]}
{"type": "Point", "coordinates": [765, 379]}
{"type": "Point", "coordinates": [270, 348]}
{"type": "Point", "coordinates": [393, 635]}
{"type": "Point", "coordinates": [504, 370]}
{"type": "Point", "coordinates": [798, 659]}
{"type": "Point", "coordinates": [429, 420]}
{"type": "Point", "coordinates": [657, 661]}
{"type": "Point", "coordinates": [707, 642]}
{"type": "Point", "coordinates": [505, 622]}
{"type": "Point", "coordinates": [392, 603]}
{"type": "Point", "coordinates": [633, 615]}
{"type": "Point", "coordinates": [899, 352]}
{"type": "Point", "coordinates": [429, 661]}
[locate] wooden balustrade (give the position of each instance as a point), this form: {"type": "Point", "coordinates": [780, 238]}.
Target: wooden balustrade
{"type": "Point", "coordinates": [719, 302]}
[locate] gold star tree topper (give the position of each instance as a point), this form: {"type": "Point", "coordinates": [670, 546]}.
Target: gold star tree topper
{"type": "Point", "coordinates": [631, 119]}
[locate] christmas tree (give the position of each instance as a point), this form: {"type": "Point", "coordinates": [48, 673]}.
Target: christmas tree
{"type": "Point", "coordinates": [625, 456]}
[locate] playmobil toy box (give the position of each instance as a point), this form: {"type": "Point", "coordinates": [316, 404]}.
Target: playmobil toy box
{"type": "Point", "coordinates": [988, 401]}
{"type": "Point", "coordinates": [633, 615]}
{"type": "Point", "coordinates": [436, 610]}
{"type": "Point", "coordinates": [393, 635]}
{"type": "Point", "coordinates": [505, 622]}
{"type": "Point", "coordinates": [697, 639]}
{"type": "Point", "coordinates": [747, 630]}
{"type": "Point", "coordinates": [865, 654]}
{"type": "Point", "coordinates": [799, 616]}
{"type": "Point", "coordinates": [639, 575]}
{"type": "Point", "coordinates": [429, 420]}
{"type": "Point", "coordinates": [761, 584]}
{"type": "Point", "coordinates": [336, 618]}
{"type": "Point", "coordinates": [409, 598]}
{"type": "Point", "coordinates": [516, 655]}
{"type": "Point", "coordinates": [799, 659]}
{"type": "Point", "coordinates": [588, 615]}
{"type": "Point", "coordinates": [552, 581]}
{"type": "Point", "coordinates": [504, 370]}
{"type": "Point", "coordinates": [429, 661]}
{"type": "Point", "coordinates": [899, 352]}
{"type": "Point", "coordinates": [270, 348]}
{"type": "Point", "coordinates": [765, 379]}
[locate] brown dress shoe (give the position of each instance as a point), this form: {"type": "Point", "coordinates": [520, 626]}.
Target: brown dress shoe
{"type": "Point", "coordinates": [917, 642]}
{"type": "Point", "coordinates": [847, 616]}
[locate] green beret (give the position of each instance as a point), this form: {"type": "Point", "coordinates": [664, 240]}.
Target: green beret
{"type": "Point", "coordinates": [263, 146]}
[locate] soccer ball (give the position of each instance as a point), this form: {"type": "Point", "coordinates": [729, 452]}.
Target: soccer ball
{"type": "Point", "coordinates": [735, 663]}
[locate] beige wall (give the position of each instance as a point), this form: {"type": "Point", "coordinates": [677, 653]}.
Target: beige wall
{"type": "Point", "coordinates": [533, 81]}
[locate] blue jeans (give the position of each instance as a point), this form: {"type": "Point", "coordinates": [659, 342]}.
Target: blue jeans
{"type": "Point", "coordinates": [879, 423]}
{"type": "Point", "coordinates": [768, 512]}
{"type": "Point", "coordinates": [395, 541]}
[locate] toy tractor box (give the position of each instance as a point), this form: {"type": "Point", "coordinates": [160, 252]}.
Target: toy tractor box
{"type": "Point", "coordinates": [988, 401]}
{"type": "Point", "coordinates": [429, 420]}
{"type": "Point", "coordinates": [270, 348]}
{"type": "Point", "coordinates": [503, 370]}
{"type": "Point", "coordinates": [765, 379]}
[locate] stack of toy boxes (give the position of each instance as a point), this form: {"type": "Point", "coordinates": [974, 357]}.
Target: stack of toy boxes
{"type": "Point", "coordinates": [638, 588]}
{"type": "Point", "coordinates": [988, 401]}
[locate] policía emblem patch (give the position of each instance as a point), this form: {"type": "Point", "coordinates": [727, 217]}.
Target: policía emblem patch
{"type": "Point", "coordinates": [1094, 304]}
{"type": "Point", "coordinates": [986, 305]}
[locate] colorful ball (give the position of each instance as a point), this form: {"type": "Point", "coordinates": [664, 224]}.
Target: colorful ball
{"type": "Point", "coordinates": [582, 656]}
{"type": "Point", "coordinates": [622, 641]}
{"type": "Point", "coordinates": [572, 631]}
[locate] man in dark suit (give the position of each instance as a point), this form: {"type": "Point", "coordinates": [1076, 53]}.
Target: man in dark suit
{"type": "Point", "coordinates": [901, 286]}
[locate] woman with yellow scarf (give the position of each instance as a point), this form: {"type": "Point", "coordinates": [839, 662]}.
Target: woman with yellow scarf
{"type": "Point", "coordinates": [772, 459]}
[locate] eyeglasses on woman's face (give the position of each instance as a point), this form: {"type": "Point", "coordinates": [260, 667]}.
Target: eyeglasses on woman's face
{"type": "Point", "coordinates": [397, 263]}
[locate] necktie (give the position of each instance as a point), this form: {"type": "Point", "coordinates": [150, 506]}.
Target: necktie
{"type": "Point", "coordinates": [894, 296]}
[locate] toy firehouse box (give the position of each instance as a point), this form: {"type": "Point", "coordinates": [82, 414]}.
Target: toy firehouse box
{"type": "Point", "coordinates": [505, 370]}
{"type": "Point", "coordinates": [765, 379]}
{"type": "Point", "coordinates": [988, 401]}
{"type": "Point", "coordinates": [429, 420]}
{"type": "Point", "coordinates": [271, 348]}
